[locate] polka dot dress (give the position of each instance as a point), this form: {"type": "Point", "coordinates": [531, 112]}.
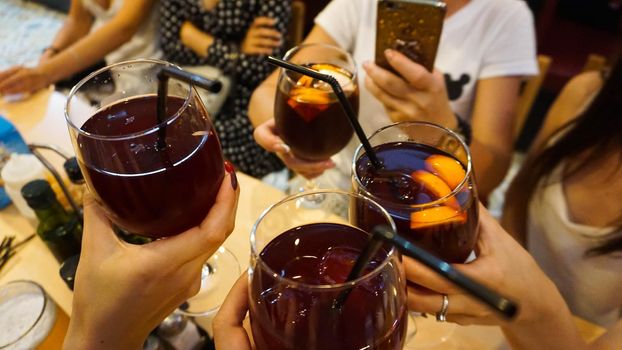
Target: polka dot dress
{"type": "Point", "coordinates": [228, 23]}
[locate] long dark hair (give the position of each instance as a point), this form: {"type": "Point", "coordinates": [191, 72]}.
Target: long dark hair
{"type": "Point", "coordinates": [595, 132]}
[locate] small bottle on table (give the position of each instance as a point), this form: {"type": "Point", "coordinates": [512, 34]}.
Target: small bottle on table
{"type": "Point", "coordinates": [60, 230]}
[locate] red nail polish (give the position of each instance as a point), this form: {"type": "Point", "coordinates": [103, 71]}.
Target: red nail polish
{"type": "Point", "coordinates": [229, 168]}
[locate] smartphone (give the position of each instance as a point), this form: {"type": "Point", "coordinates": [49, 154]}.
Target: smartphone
{"type": "Point", "coordinates": [412, 27]}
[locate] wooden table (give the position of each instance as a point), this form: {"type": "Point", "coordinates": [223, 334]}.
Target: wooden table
{"type": "Point", "coordinates": [40, 119]}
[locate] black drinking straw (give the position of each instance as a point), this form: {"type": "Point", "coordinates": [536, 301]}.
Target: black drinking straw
{"type": "Point", "coordinates": [498, 303]}
{"type": "Point", "coordinates": [347, 108]}
{"type": "Point", "coordinates": [193, 79]}
{"type": "Point", "coordinates": [362, 261]}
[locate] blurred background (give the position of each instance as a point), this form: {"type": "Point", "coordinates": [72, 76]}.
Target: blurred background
{"type": "Point", "coordinates": [572, 36]}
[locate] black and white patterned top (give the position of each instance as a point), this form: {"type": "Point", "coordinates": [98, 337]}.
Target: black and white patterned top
{"type": "Point", "coordinates": [228, 23]}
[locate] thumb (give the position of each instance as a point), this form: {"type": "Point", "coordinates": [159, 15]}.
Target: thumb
{"type": "Point", "coordinates": [228, 322]}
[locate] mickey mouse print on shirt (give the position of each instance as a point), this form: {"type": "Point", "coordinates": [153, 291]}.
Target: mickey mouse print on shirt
{"type": "Point", "coordinates": [455, 87]}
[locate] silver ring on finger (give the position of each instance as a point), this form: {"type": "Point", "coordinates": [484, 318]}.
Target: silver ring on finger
{"type": "Point", "coordinates": [441, 315]}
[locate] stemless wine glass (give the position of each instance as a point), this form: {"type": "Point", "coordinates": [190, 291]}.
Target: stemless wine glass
{"type": "Point", "coordinates": [434, 202]}
{"type": "Point", "coordinates": [307, 113]}
{"type": "Point", "coordinates": [154, 178]}
{"type": "Point", "coordinates": [300, 259]}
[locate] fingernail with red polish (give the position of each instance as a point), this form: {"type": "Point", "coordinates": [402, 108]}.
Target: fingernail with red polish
{"type": "Point", "coordinates": [231, 170]}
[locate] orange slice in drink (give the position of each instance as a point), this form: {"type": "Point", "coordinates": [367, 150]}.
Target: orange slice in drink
{"type": "Point", "coordinates": [310, 95]}
{"type": "Point", "coordinates": [431, 183]}
{"type": "Point", "coordinates": [325, 67]}
{"type": "Point", "coordinates": [447, 168]}
{"type": "Point", "coordinates": [308, 102]}
{"type": "Point", "coordinates": [434, 185]}
{"type": "Point", "coordinates": [305, 81]}
{"type": "Point", "coordinates": [443, 214]}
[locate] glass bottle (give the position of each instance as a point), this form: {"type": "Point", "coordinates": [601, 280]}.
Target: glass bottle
{"type": "Point", "coordinates": [60, 230]}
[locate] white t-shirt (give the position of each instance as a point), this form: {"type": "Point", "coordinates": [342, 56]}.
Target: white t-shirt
{"type": "Point", "coordinates": [143, 44]}
{"type": "Point", "coordinates": [484, 39]}
{"type": "Point", "coordinates": [590, 285]}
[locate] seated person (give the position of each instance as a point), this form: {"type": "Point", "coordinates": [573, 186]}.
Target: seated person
{"type": "Point", "coordinates": [485, 50]}
{"type": "Point", "coordinates": [94, 30]}
{"type": "Point", "coordinates": [564, 204]}
{"type": "Point", "coordinates": [233, 37]}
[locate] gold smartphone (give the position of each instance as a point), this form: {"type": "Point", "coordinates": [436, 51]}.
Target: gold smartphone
{"type": "Point", "coordinates": [412, 27]}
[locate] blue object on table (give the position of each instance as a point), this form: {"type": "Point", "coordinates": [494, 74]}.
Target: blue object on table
{"type": "Point", "coordinates": [10, 142]}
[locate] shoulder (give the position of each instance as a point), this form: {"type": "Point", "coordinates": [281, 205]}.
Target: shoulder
{"type": "Point", "coordinates": [505, 12]}
{"type": "Point", "coordinates": [500, 7]}
{"type": "Point", "coordinates": [585, 83]}
{"type": "Point", "coordinates": [348, 8]}
{"type": "Point", "coordinates": [582, 87]}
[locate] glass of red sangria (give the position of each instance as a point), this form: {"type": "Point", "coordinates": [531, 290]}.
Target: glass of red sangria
{"type": "Point", "coordinates": [300, 260]}
{"type": "Point", "coordinates": [308, 115]}
{"type": "Point", "coordinates": [145, 189]}
{"type": "Point", "coordinates": [428, 187]}
{"type": "Point", "coordinates": [151, 184]}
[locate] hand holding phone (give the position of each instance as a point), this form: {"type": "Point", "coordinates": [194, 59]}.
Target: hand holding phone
{"type": "Point", "coordinates": [412, 27]}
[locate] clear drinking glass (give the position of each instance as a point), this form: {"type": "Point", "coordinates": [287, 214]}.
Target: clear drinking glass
{"type": "Point", "coordinates": [27, 315]}
{"type": "Point", "coordinates": [307, 113]}
{"type": "Point", "coordinates": [154, 178]}
{"type": "Point", "coordinates": [219, 274]}
{"type": "Point", "coordinates": [434, 203]}
{"type": "Point", "coordinates": [301, 256]}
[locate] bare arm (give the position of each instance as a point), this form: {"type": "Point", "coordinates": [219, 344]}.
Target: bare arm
{"type": "Point", "coordinates": [195, 39]}
{"type": "Point", "coordinates": [567, 106]}
{"type": "Point", "coordinates": [94, 46]}
{"type": "Point", "coordinates": [261, 106]}
{"type": "Point", "coordinates": [76, 26]}
{"type": "Point", "coordinates": [493, 127]}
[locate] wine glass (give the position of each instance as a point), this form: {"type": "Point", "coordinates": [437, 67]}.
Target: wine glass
{"type": "Point", "coordinates": [215, 285]}
{"type": "Point", "coordinates": [145, 189]}
{"type": "Point", "coordinates": [154, 179]}
{"type": "Point", "coordinates": [300, 259]}
{"type": "Point", "coordinates": [434, 204]}
{"type": "Point", "coordinates": [307, 113]}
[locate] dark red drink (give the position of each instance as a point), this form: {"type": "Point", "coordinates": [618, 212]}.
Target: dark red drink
{"type": "Point", "coordinates": [309, 117]}
{"type": "Point", "coordinates": [292, 311]}
{"type": "Point", "coordinates": [148, 191]}
{"type": "Point", "coordinates": [427, 210]}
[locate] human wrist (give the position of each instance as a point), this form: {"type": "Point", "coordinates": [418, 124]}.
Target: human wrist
{"type": "Point", "coordinates": [83, 335]}
{"type": "Point", "coordinates": [449, 120]}
{"type": "Point", "coordinates": [463, 128]}
{"type": "Point", "coordinates": [51, 50]}
{"type": "Point", "coordinates": [48, 72]}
